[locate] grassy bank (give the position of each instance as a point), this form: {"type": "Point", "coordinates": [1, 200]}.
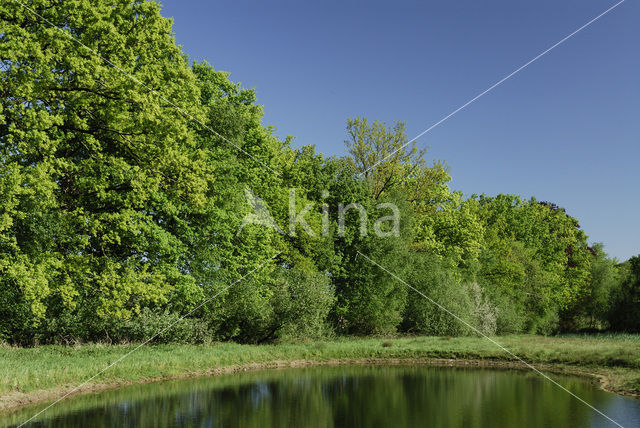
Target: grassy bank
{"type": "Point", "coordinates": [44, 373]}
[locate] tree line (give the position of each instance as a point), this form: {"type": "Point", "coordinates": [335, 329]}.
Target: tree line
{"type": "Point", "coordinates": [123, 177]}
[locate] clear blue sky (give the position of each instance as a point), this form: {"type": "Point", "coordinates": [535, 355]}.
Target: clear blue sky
{"type": "Point", "coordinates": [566, 129]}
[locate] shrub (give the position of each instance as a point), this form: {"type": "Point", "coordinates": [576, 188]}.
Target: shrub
{"type": "Point", "coordinates": [423, 316]}
{"type": "Point", "coordinates": [510, 314]}
{"type": "Point", "coordinates": [483, 313]}
{"type": "Point", "coordinates": [303, 303]}
{"type": "Point", "coordinates": [294, 303]}
{"type": "Point", "coordinates": [544, 322]}
{"type": "Point", "coordinates": [169, 327]}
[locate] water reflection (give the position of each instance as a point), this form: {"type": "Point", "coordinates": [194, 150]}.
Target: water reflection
{"type": "Point", "coordinates": [377, 396]}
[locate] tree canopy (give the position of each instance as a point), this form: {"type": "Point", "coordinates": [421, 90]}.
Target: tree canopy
{"type": "Point", "coordinates": [124, 170]}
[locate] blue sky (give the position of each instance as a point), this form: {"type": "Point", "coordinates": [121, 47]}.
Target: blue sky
{"type": "Point", "coordinates": [566, 129]}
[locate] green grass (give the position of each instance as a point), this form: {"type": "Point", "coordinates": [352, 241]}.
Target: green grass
{"type": "Point", "coordinates": [604, 336]}
{"type": "Point", "coordinates": [28, 374]}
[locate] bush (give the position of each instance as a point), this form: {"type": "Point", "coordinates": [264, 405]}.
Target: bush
{"type": "Point", "coordinates": [510, 314]}
{"type": "Point", "coordinates": [303, 303]}
{"type": "Point", "coordinates": [169, 327]}
{"type": "Point", "coordinates": [74, 327]}
{"type": "Point", "coordinates": [295, 303]}
{"type": "Point", "coordinates": [424, 317]}
{"type": "Point", "coordinates": [545, 322]}
{"type": "Point", "coordinates": [484, 314]}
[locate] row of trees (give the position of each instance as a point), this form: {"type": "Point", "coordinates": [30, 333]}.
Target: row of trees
{"type": "Point", "coordinates": [123, 176]}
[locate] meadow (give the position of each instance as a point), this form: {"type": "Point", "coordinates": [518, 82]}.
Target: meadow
{"type": "Point", "coordinates": [46, 372]}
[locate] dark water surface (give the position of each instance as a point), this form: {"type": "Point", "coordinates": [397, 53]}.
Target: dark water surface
{"type": "Point", "coordinates": [345, 396]}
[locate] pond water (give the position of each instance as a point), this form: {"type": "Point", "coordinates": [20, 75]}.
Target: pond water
{"type": "Point", "coordinates": [345, 396]}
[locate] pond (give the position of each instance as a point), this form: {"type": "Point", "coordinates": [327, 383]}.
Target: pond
{"type": "Point", "coordinates": [345, 396]}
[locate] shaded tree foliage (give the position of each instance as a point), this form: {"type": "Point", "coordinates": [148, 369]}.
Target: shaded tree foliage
{"type": "Point", "coordinates": [624, 313]}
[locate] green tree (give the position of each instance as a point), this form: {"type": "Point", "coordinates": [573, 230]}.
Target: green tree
{"type": "Point", "coordinates": [384, 158]}
{"type": "Point", "coordinates": [624, 314]}
{"type": "Point", "coordinates": [451, 230]}
{"type": "Point", "coordinates": [368, 300]}
{"type": "Point", "coordinates": [535, 254]}
{"type": "Point", "coordinates": [101, 162]}
{"type": "Point", "coordinates": [445, 224]}
{"type": "Point", "coordinates": [116, 198]}
{"type": "Point", "coordinates": [591, 309]}
{"type": "Point", "coordinates": [422, 316]}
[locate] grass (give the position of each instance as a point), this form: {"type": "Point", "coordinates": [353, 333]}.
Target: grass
{"type": "Point", "coordinates": [46, 372]}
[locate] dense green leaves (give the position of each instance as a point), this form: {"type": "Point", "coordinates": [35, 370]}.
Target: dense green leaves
{"type": "Point", "coordinates": [124, 175]}
{"type": "Point", "coordinates": [104, 165]}
{"type": "Point", "coordinates": [624, 312]}
{"type": "Point", "coordinates": [116, 197]}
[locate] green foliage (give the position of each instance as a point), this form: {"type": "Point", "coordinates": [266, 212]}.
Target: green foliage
{"type": "Point", "coordinates": [165, 327]}
{"type": "Point", "coordinates": [604, 278]}
{"type": "Point", "coordinates": [422, 315]}
{"type": "Point", "coordinates": [122, 192]}
{"type": "Point", "coordinates": [384, 157]}
{"type": "Point", "coordinates": [624, 314]}
{"type": "Point", "coordinates": [368, 300]}
{"type": "Point", "coordinates": [113, 200]}
{"type": "Point", "coordinates": [452, 230]}
{"type": "Point", "coordinates": [293, 303]}
{"type": "Point", "coordinates": [104, 167]}
{"type": "Point", "coordinates": [511, 316]}
{"type": "Point", "coordinates": [303, 300]}
{"type": "Point", "coordinates": [591, 311]}
{"type": "Point", "coordinates": [535, 254]}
